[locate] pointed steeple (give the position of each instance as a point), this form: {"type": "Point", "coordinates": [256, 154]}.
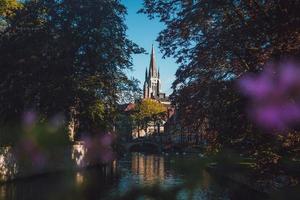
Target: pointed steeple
{"type": "Point", "coordinates": [158, 74]}
{"type": "Point", "coordinates": [146, 75]}
{"type": "Point", "coordinates": [157, 88]}
{"type": "Point", "coordinates": [152, 67]}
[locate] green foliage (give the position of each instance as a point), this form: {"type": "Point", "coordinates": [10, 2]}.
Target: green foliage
{"type": "Point", "coordinates": [215, 42]}
{"type": "Point", "coordinates": [7, 7]}
{"type": "Point", "coordinates": [202, 35]}
{"type": "Point", "coordinates": [95, 118]}
{"type": "Point", "coordinates": [46, 135]}
{"type": "Point", "coordinates": [148, 110]}
{"type": "Point", "coordinates": [7, 10]}
{"type": "Point", "coordinates": [129, 92]}
{"type": "Point", "coordinates": [64, 57]}
{"type": "Point", "coordinates": [124, 124]}
{"type": "Point", "coordinates": [96, 111]}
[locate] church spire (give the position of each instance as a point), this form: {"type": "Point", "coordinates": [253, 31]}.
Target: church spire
{"type": "Point", "coordinates": [152, 67]}
{"type": "Point", "coordinates": [146, 74]}
{"type": "Point", "coordinates": [158, 74]}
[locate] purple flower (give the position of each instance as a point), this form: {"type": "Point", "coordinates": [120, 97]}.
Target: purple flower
{"type": "Point", "coordinates": [29, 118]}
{"type": "Point", "coordinates": [277, 116]}
{"type": "Point", "coordinates": [106, 155]}
{"type": "Point", "coordinates": [30, 151]}
{"type": "Point", "coordinates": [107, 139]}
{"type": "Point", "coordinates": [99, 148]}
{"type": "Point", "coordinates": [289, 76]}
{"type": "Point", "coordinates": [256, 87]}
{"type": "Point", "coordinates": [274, 95]}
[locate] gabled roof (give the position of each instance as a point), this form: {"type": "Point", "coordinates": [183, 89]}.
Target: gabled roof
{"type": "Point", "coordinates": [129, 107]}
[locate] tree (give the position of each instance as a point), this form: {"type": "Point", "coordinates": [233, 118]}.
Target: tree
{"type": "Point", "coordinates": [202, 34]}
{"type": "Point", "coordinates": [216, 42]}
{"type": "Point", "coordinates": [7, 7]}
{"type": "Point", "coordinates": [146, 111]}
{"type": "Point", "coordinates": [129, 92]}
{"type": "Point", "coordinates": [55, 54]}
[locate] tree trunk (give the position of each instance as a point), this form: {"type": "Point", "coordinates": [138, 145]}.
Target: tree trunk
{"type": "Point", "coordinates": [72, 124]}
{"type": "Point", "coordinates": [138, 127]}
{"type": "Point", "coordinates": [71, 130]}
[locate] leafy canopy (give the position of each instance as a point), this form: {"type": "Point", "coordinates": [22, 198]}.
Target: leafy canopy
{"type": "Point", "coordinates": [148, 109]}
{"type": "Point", "coordinates": [7, 7]}
{"type": "Point", "coordinates": [65, 57]}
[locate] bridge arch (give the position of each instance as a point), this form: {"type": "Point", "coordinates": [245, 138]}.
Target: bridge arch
{"type": "Point", "coordinates": [143, 146]}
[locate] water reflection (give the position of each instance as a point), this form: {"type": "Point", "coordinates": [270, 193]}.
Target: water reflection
{"type": "Point", "coordinates": [150, 168]}
{"type": "Point", "coordinates": [119, 177]}
{"type": "Point", "coordinates": [79, 179]}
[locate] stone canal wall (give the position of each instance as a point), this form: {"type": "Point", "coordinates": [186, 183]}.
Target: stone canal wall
{"type": "Point", "coordinates": [14, 164]}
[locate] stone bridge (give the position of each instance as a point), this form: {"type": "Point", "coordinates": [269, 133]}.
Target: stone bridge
{"type": "Point", "coordinates": [144, 144]}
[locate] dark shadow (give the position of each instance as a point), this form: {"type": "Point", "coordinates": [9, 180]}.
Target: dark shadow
{"type": "Point", "coordinates": [144, 147]}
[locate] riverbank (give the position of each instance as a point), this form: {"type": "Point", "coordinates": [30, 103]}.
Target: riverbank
{"type": "Point", "coordinates": [133, 172]}
{"type": "Point", "coordinates": [71, 160]}
{"type": "Point", "coordinates": [242, 171]}
{"type": "Point", "coordinates": [72, 157]}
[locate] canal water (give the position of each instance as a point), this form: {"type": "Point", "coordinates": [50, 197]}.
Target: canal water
{"type": "Point", "coordinates": [131, 171]}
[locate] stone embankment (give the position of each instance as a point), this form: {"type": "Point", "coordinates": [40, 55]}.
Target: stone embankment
{"type": "Point", "coordinates": [13, 166]}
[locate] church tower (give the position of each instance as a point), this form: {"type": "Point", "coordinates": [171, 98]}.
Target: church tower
{"type": "Point", "coordinates": [152, 84]}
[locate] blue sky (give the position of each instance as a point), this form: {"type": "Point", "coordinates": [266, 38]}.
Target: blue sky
{"type": "Point", "coordinates": [144, 32]}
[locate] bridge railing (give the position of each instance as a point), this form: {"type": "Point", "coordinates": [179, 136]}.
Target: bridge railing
{"type": "Point", "coordinates": [191, 138]}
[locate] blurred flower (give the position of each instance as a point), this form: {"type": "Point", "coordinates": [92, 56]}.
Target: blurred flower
{"type": "Point", "coordinates": [99, 148]}
{"type": "Point", "coordinates": [276, 116]}
{"type": "Point", "coordinates": [274, 95]}
{"type": "Point", "coordinates": [30, 151]}
{"type": "Point", "coordinates": [29, 118]}
{"type": "Point", "coordinates": [106, 140]}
